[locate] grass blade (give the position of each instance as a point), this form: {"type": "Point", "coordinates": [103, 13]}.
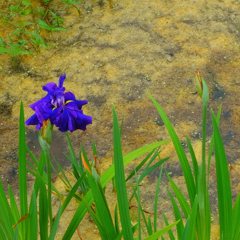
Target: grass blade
{"type": "Point", "coordinates": [66, 182]}
{"type": "Point", "coordinates": [22, 169]}
{"type": "Point", "coordinates": [156, 200]}
{"type": "Point", "coordinates": [180, 227]}
{"type": "Point", "coordinates": [105, 178]}
{"type": "Point", "coordinates": [96, 220]}
{"type": "Point", "coordinates": [72, 192]}
{"type": "Point", "coordinates": [55, 224]}
{"type": "Point", "coordinates": [120, 181]}
{"type": "Point", "coordinates": [161, 232]}
{"type": "Point", "coordinates": [194, 161]}
{"type": "Point", "coordinates": [43, 210]}
{"type": "Point", "coordinates": [212, 141]}
{"type": "Point", "coordinates": [140, 165]}
{"type": "Point", "coordinates": [14, 207]}
{"type": "Point", "coordinates": [139, 207]}
{"type": "Point", "coordinates": [223, 184]}
{"type": "Point", "coordinates": [235, 220]}
{"type": "Point", "coordinates": [6, 218]}
{"type": "Point", "coordinates": [181, 199]}
{"type": "Point", "coordinates": [170, 233]}
{"type": "Point", "coordinates": [32, 218]}
{"type": "Point", "coordinates": [180, 152]}
{"type": "Point", "coordinates": [75, 172]}
{"type": "Point", "coordinates": [116, 220]}
{"type": "Point", "coordinates": [189, 230]}
{"type": "Point", "coordinates": [149, 226]}
{"type": "Point", "coordinates": [102, 207]}
{"type": "Point", "coordinates": [147, 171]}
{"type": "Point", "coordinates": [15, 234]}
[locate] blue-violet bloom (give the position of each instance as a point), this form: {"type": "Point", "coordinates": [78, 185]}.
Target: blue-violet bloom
{"type": "Point", "coordinates": [63, 110]}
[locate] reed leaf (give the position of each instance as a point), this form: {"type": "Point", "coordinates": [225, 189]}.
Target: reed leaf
{"type": "Point", "coordinates": [180, 152]}
{"type": "Point", "coordinates": [223, 184]}
{"type": "Point", "coordinates": [120, 181]}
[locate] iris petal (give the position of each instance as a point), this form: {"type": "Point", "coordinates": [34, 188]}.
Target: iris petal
{"type": "Point", "coordinates": [33, 120]}
{"type": "Point", "coordinates": [71, 124]}
{"type": "Point", "coordinates": [61, 80]}
{"type": "Point", "coordinates": [72, 118]}
{"type": "Point", "coordinates": [39, 102]}
{"type": "Point", "coordinates": [62, 121]}
{"type": "Point", "coordinates": [80, 103]}
{"type": "Point", "coordinates": [50, 88]}
{"type": "Point", "coordinates": [83, 121]}
{"type": "Point", "coordinates": [61, 108]}
{"type": "Point", "coordinates": [69, 96]}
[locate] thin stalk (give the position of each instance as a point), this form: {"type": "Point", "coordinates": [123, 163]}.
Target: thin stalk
{"type": "Point", "coordinates": [45, 140]}
{"type": "Point", "coordinates": [204, 124]}
{"type": "Point", "coordinates": [204, 207]}
{"type": "Point", "coordinates": [156, 200]}
{"type": "Point", "coordinates": [49, 188]}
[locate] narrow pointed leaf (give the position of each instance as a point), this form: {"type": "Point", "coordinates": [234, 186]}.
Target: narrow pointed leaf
{"type": "Point", "coordinates": [120, 181]}
{"type": "Point", "coordinates": [161, 232]}
{"type": "Point", "coordinates": [105, 178]}
{"type": "Point", "coordinates": [180, 227]}
{"type": "Point", "coordinates": [22, 169]}
{"type": "Point", "coordinates": [55, 224]}
{"type": "Point", "coordinates": [180, 152]}
{"type": "Point", "coordinates": [223, 184]}
{"type": "Point", "coordinates": [181, 199]}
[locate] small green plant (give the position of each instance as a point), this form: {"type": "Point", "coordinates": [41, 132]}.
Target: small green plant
{"type": "Point", "coordinates": [28, 23]}
{"type": "Point", "coordinates": [198, 212]}
{"type": "Point", "coordinates": [72, 3]}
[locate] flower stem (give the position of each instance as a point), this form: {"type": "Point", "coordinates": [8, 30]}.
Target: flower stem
{"type": "Point", "coordinates": [204, 124]}
{"type": "Point", "coordinates": [49, 188]}
{"type": "Point", "coordinates": [204, 207]}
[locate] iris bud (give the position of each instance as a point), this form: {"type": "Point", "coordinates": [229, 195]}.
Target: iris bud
{"type": "Point", "coordinates": [45, 135]}
{"type": "Point", "coordinates": [202, 87]}
{"type": "Point", "coordinates": [199, 83]}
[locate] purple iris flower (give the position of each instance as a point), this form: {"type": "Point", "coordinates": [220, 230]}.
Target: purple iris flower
{"type": "Point", "coordinates": [69, 116]}
{"type": "Point", "coordinates": [61, 108]}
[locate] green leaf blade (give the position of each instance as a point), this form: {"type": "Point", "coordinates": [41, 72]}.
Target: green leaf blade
{"type": "Point", "coordinates": [120, 181]}
{"type": "Point", "coordinates": [180, 152]}
{"type": "Point", "coordinates": [223, 184]}
{"type": "Point", "coordinates": [105, 178]}
{"type": "Point", "coordinates": [22, 169]}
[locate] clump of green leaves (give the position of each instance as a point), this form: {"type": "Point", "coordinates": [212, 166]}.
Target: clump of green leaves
{"type": "Point", "coordinates": [196, 210]}
{"type": "Point", "coordinates": [28, 23]}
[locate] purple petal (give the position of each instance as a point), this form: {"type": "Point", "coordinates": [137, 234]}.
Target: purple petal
{"type": "Point", "coordinates": [71, 120]}
{"type": "Point", "coordinates": [50, 88]}
{"type": "Point", "coordinates": [33, 120]}
{"type": "Point", "coordinates": [61, 80]}
{"type": "Point", "coordinates": [45, 99]}
{"type": "Point", "coordinates": [38, 127]}
{"type": "Point", "coordinates": [82, 121]}
{"type": "Point", "coordinates": [72, 110]}
{"type": "Point", "coordinates": [62, 121]}
{"type": "Point", "coordinates": [55, 113]}
{"type": "Point", "coordinates": [80, 103]}
{"type": "Point", "coordinates": [69, 96]}
{"type": "Point", "coordinates": [43, 111]}
{"type": "Point", "coordinates": [71, 124]}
